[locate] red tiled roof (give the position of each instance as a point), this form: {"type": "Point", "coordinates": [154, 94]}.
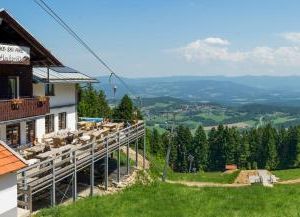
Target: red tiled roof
{"type": "Point", "coordinates": [9, 160]}
{"type": "Point", "coordinates": [231, 167]}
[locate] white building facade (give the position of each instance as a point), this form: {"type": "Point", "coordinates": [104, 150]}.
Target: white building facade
{"type": "Point", "coordinates": [10, 162]}
{"type": "Point", "coordinates": [37, 92]}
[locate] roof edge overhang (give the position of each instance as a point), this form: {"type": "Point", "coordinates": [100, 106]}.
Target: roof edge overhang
{"type": "Point", "coordinates": [64, 70]}
{"type": "Point", "coordinates": [13, 152]}
{"type": "Point", "coordinates": [50, 60]}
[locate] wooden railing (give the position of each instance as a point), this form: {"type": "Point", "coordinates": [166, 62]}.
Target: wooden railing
{"type": "Point", "coordinates": [47, 173]}
{"type": "Point", "coordinates": [23, 108]}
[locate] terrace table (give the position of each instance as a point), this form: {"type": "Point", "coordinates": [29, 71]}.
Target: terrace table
{"type": "Point", "coordinates": [36, 149]}
{"type": "Point", "coordinates": [76, 133]}
{"type": "Point", "coordinates": [44, 156]}
{"type": "Point", "coordinates": [32, 161]}
{"type": "Point", "coordinates": [54, 152]}
{"type": "Point", "coordinates": [97, 134]}
{"type": "Point", "coordinates": [85, 138]}
{"type": "Point", "coordinates": [110, 126]}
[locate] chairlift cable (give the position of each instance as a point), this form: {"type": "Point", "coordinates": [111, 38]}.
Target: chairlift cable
{"type": "Point", "coordinates": [42, 4]}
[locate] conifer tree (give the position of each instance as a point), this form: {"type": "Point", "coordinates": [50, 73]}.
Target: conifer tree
{"type": "Point", "coordinates": [231, 143]}
{"type": "Point", "coordinates": [269, 140]}
{"type": "Point", "coordinates": [155, 142]}
{"type": "Point", "coordinates": [183, 143]}
{"type": "Point", "coordinates": [283, 148]}
{"type": "Point", "coordinates": [124, 111]}
{"type": "Point", "coordinates": [243, 153]}
{"type": "Point", "coordinates": [200, 149]}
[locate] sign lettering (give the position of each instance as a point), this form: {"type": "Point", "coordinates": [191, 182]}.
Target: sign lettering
{"type": "Point", "coordinates": [12, 54]}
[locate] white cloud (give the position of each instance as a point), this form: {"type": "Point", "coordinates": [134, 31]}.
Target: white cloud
{"type": "Point", "coordinates": [213, 50]}
{"type": "Point", "coordinates": [292, 36]}
{"type": "Point", "coordinates": [281, 56]}
{"type": "Point", "coordinates": [209, 49]}
{"type": "Point", "coordinates": [216, 41]}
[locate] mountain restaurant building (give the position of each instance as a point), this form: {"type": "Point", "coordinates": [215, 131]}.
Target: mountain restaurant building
{"type": "Point", "coordinates": [37, 92]}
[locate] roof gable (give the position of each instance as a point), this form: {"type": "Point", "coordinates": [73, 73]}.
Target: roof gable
{"type": "Point", "coordinates": [10, 161]}
{"type": "Point", "coordinates": [11, 32]}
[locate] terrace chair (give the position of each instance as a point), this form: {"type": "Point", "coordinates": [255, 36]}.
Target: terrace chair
{"type": "Point", "coordinates": [58, 142]}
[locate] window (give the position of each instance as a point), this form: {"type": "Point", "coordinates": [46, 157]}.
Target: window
{"type": "Point", "coordinates": [62, 119]}
{"type": "Point", "coordinates": [49, 123]}
{"type": "Point", "coordinates": [13, 135]}
{"type": "Point", "coordinates": [30, 132]}
{"type": "Point", "coordinates": [49, 90]}
{"type": "Point", "coordinates": [13, 87]}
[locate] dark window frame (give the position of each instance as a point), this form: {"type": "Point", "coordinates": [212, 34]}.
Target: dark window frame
{"type": "Point", "coordinates": [49, 89]}
{"type": "Point", "coordinates": [30, 132]}
{"type": "Point", "coordinates": [62, 120]}
{"type": "Point", "coordinates": [49, 123]}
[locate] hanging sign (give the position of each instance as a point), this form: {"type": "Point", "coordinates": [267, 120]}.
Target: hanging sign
{"type": "Point", "coordinates": [12, 54]}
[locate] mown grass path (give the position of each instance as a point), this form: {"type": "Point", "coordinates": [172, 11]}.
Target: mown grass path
{"type": "Point", "coordinates": [207, 184]}
{"type": "Point", "coordinates": [171, 200]}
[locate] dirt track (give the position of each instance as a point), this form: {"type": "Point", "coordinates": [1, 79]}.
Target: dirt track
{"type": "Point", "coordinates": [207, 184]}
{"type": "Point", "coordinates": [287, 182]}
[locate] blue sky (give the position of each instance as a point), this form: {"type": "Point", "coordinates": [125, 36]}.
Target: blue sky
{"type": "Point", "coordinates": [142, 38]}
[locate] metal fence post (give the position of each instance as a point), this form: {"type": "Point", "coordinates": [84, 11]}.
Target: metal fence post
{"type": "Point", "coordinates": [92, 179]}
{"type": "Point", "coordinates": [53, 196]}
{"type": "Point", "coordinates": [144, 147]}
{"type": "Point", "coordinates": [74, 181]}
{"type": "Point", "coordinates": [106, 165]}
{"type": "Point", "coordinates": [25, 187]}
{"type": "Point", "coordinates": [127, 153]}
{"type": "Point", "coordinates": [30, 199]}
{"type": "Point", "coordinates": [119, 155]}
{"type": "Point", "coordinates": [136, 147]}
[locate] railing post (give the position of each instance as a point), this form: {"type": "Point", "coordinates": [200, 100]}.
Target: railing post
{"type": "Point", "coordinates": [106, 165]}
{"type": "Point", "coordinates": [30, 199]}
{"type": "Point", "coordinates": [136, 146]}
{"type": "Point", "coordinates": [144, 147]}
{"type": "Point", "coordinates": [119, 155]}
{"type": "Point", "coordinates": [127, 153]}
{"type": "Point", "coordinates": [25, 187]}
{"type": "Point", "coordinates": [92, 179]}
{"type": "Point", "coordinates": [53, 195]}
{"type": "Point", "coordinates": [74, 181]}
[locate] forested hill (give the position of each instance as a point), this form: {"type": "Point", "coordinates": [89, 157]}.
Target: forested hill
{"type": "Point", "coordinates": [223, 90]}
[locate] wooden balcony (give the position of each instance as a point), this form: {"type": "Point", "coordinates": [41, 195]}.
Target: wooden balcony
{"type": "Point", "coordinates": [23, 108]}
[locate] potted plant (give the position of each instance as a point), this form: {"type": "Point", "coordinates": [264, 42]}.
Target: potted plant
{"type": "Point", "coordinates": [42, 100]}
{"type": "Point", "coordinates": [15, 103]}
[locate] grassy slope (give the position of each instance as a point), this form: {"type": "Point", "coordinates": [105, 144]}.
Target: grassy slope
{"type": "Point", "coordinates": [287, 174]}
{"type": "Point", "coordinates": [157, 165]}
{"type": "Point", "coordinates": [217, 177]}
{"type": "Point", "coordinates": [167, 200]}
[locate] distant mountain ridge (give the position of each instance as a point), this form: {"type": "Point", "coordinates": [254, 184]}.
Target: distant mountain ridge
{"type": "Point", "coordinates": [219, 89]}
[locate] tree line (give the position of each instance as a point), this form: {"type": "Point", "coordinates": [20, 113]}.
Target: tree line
{"type": "Point", "coordinates": [93, 103]}
{"type": "Point", "coordinates": [264, 148]}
